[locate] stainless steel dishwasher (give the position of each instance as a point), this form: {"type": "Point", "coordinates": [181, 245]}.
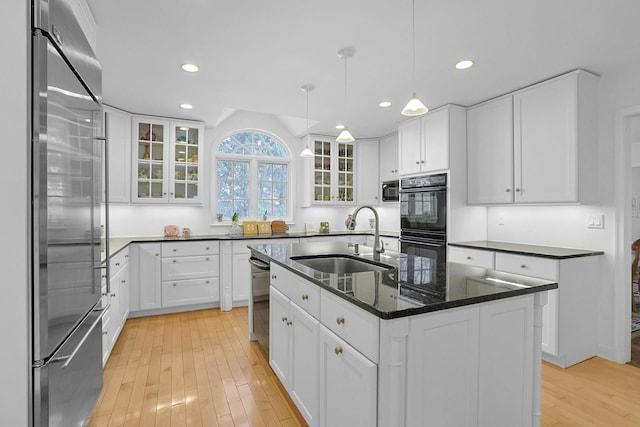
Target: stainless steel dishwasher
{"type": "Point", "coordinates": [259, 303]}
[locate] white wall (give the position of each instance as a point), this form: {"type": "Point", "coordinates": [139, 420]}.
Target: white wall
{"type": "Point", "coordinates": [14, 258]}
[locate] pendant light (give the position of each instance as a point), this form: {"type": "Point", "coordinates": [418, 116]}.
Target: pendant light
{"type": "Point", "coordinates": [307, 151]}
{"type": "Point", "coordinates": [414, 107]}
{"type": "Point", "coordinates": [345, 53]}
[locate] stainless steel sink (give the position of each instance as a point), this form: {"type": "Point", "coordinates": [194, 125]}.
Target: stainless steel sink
{"type": "Point", "coordinates": [339, 264]}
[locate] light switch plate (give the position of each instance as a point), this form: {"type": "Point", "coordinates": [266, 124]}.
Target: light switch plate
{"type": "Point", "coordinates": [595, 221]}
{"type": "Point", "coordinates": [310, 227]}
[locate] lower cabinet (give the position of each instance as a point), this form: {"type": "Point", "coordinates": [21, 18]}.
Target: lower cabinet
{"type": "Point", "coordinates": [293, 344]}
{"type": "Point", "coordinates": [348, 384]}
{"type": "Point", "coordinates": [146, 293]}
{"type": "Point", "coordinates": [117, 296]}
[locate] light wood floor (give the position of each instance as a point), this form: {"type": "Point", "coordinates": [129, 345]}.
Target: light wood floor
{"type": "Point", "coordinates": [199, 369]}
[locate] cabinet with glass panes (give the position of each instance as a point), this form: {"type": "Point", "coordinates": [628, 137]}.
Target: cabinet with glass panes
{"type": "Point", "coordinates": [333, 172]}
{"type": "Point", "coordinates": [166, 161]}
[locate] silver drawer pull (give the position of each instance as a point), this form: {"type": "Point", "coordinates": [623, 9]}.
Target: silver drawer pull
{"type": "Point", "coordinates": [273, 276]}
{"type": "Point", "coordinates": [113, 295]}
{"type": "Point", "coordinates": [105, 332]}
{"type": "Point", "coordinates": [123, 281]}
{"type": "Point", "coordinates": [117, 264]}
{"type": "Point", "coordinates": [305, 297]}
{"type": "Point", "coordinates": [174, 261]}
{"type": "Point", "coordinates": [175, 250]}
{"type": "Point", "coordinates": [207, 259]}
{"type": "Point", "coordinates": [284, 318]}
{"type": "Point", "coordinates": [340, 320]}
{"type": "Point", "coordinates": [469, 257]}
{"type": "Point", "coordinates": [289, 323]}
{"type": "Point", "coordinates": [207, 248]}
{"type": "Point", "coordinates": [338, 350]}
{"type": "Point", "coordinates": [175, 284]}
{"type": "Point", "coordinates": [508, 190]}
{"type": "Point", "coordinates": [207, 282]}
{"type": "Point", "coordinates": [523, 266]}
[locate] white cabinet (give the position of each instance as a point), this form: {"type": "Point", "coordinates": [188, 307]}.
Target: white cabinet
{"type": "Point", "coordinates": [167, 163]}
{"type": "Point", "coordinates": [293, 341]}
{"type": "Point", "coordinates": [570, 315]}
{"type": "Point", "coordinates": [146, 290]}
{"type": "Point", "coordinates": [119, 131]}
{"type": "Point", "coordinates": [490, 152]}
{"type": "Point", "coordinates": [368, 185]}
{"type": "Point", "coordinates": [424, 143]}
{"type": "Point", "coordinates": [543, 151]}
{"type": "Point", "coordinates": [190, 273]}
{"type": "Point", "coordinates": [333, 172]}
{"type": "Point", "coordinates": [389, 158]}
{"type": "Point", "coordinates": [348, 384]}
{"type": "Point", "coordinates": [117, 295]}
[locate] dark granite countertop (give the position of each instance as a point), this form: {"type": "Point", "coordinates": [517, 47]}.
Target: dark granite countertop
{"type": "Point", "coordinates": [116, 244]}
{"type": "Point", "coordinates": [524, 249]}
{"type": "Point", "coordinates": [411, 284]}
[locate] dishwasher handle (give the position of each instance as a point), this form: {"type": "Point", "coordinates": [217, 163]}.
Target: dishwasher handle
{"type": "Point", "coordinates": [258, 263]}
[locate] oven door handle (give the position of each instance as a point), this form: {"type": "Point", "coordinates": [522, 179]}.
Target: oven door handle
{"type": "Point", "coordinates": [427, 242]}
{"type": "Point", "coordinates": [422, 189]}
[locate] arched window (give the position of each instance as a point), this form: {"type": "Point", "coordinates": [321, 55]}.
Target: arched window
{"type": "Point", "coordinates": [252, 174]}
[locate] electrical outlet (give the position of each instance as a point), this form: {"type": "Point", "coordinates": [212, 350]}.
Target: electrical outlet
{"type": "Point", "coordinates": [595, 221]}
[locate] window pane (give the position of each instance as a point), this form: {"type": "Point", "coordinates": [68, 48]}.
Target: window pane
{"type": "Point", "coordinates": [233, 176]}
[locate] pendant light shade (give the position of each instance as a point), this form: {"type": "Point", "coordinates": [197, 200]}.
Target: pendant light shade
{"type": "Point", "coordinates": [307, 151]}
{"type": "Point", "coordinates": [345, 136]}
{"type": "Point", "coordinates": [414, 107]}
{"type": "Point", "coordinates": [345, 53]}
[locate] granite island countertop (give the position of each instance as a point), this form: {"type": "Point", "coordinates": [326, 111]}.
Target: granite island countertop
{"type": "Point", "coordinates": [410, 285]}
{"type": "Point", "coordinates": [526, 249]}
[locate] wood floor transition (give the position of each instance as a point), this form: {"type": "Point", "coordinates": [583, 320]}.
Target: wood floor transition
{"type": "Point", "coordinates": [199, 369]}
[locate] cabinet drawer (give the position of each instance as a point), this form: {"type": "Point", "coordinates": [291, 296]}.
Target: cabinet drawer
{"type": "Point", "coordinates": [351, 323]}
{"type": "Point", "coordinates": [543, 268]}
{"type": "Point", "coordinates": [301, 292]}
{"type": "Point", "coordinates": [118, 261]}
{"type": "Point", "coordinates": [474, 257]}
{"type": "Point", "coordinates": [206, 247]}
{"type": "Point", "coordinates": [196, 267]}
{"type": "Point", "coordinates": [196, 291]}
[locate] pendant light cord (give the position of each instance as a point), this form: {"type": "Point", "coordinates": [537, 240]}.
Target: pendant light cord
{"type": "Point", "coordinates": [345, 88]}
{"type": "Point", "coordinates": [413, 40]}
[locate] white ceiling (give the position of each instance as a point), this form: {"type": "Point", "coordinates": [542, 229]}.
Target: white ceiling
{"type": "Point", "coordinates": [255, 54]}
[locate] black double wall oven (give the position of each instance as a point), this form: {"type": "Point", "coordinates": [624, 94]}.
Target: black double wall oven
{"type": "Point", "coordinates": [423, 227]}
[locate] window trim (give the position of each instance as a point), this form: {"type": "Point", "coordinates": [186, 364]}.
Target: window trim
{"type": "Point", "coordinates": [253, 176]}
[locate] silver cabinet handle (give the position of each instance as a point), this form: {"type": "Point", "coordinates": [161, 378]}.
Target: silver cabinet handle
{"type": "Point", "coordinates": [175, 250]}
{"type": "Point", "coordinates": [174, 261]}
{"type": "Point", "coordinates": [274, 276]}
{"type": "Point", "coordinates": [207, 259]}
{"type": "Point", "coordinates": [417, 163]}
{"type": "Point", "coordinates": [117, 264]}
{"type": "Point", "coordinates": [340, 320]}
{"type": "Point", "coordinates": [421, 161]}
{"type": "Point", "coordinates": [523, 266]}
{"type": "Point", "coordinates": [305, 297]}
{"type": "Point", "coordinates": [284, 318]}
{"type": "Point", "coordinates": [123, 281]}
{"type": "Point", "coordinates": [289, 323]}
{"type": "Point", "coordinates": [469, 257]}
{"type": "Point", "coordinates": [508, 190]}
{"type": "Point", "coordinates": [517, 190]}
{"type": "Point", "coordinates": [113, 295]}
{"type": "Point", "coordinates": [207, 248]}
{"type": "Point", "coordinates": [338, 350]}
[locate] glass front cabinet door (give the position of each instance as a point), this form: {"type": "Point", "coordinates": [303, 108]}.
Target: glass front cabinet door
{"type": "Point", "coordinates": [333, 172]}
{"type": "Point", "coordinates": [167, 161]}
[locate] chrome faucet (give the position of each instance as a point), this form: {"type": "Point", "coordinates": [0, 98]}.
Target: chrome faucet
{"type": "Point", "coordinates": [378, 247]}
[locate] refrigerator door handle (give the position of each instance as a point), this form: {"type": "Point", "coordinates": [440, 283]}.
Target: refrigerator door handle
{"type": "Point", "coordinates": [69, 358]}
{"type": "Point", "coordinates": [105, 176]}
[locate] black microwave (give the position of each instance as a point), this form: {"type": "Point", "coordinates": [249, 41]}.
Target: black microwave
{"type": "Point", "coordinates": [390, 191]}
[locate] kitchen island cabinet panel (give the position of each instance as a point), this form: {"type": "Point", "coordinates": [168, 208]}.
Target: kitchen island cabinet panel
{"type": "Point", "coordinates": [452, 363]}
{"type": "Point", "coordinates": [348, 384]}
{"type": "Point", "coordinates": [146, 290]}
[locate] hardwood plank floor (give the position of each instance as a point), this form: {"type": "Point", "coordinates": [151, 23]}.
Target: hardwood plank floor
{"type": "Point", "coordinates": [199, 369]}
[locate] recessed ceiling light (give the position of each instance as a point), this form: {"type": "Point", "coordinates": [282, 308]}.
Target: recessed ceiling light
{"type": "Point", "coordinates": [385, 104]}
{"type": "Point", "coordinates": [191, 68]}
{"type": "Point", "coordinates": [463, 65]}
{"type": "Point", "coordinates": [339, 126]}
{"type": "Point", "coordinates": [186, 106]}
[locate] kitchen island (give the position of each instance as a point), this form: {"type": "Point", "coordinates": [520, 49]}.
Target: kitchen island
{"type": "Point", "coordinates": [415, 342]}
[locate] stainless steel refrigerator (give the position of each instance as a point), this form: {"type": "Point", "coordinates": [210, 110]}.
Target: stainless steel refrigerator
{"type": "Point", "coordinates": [67, 188]}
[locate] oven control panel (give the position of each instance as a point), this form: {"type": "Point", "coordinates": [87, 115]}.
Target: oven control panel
{"type": "Point", "coordinates": [437, 180]}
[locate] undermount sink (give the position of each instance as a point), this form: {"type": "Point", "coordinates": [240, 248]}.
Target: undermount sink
{"type": "Point", "coordinates": [339, 264]}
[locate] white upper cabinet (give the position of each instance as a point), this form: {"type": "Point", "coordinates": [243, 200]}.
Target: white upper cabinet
{"type": "Point", "coordinates": [389, 158]}
{"type": "Point", "coordinates": [333, 169]}
{"type": "Point", "coordinates": [167, 161]}
{"type": "Point", "coordinates": [367, 177]}
{"type": "Point", "coordinates": [490, 152]}
{"type": "Point", "coordinates": [424, 143]}
{"type": "Point", "coordinates": [549, 143]}
{"type": "Point", "coordinates": [119, 131]}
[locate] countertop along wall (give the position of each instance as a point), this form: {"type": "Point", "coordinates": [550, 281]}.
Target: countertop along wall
{"type": "Point", "coordinates": [14, 174]}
